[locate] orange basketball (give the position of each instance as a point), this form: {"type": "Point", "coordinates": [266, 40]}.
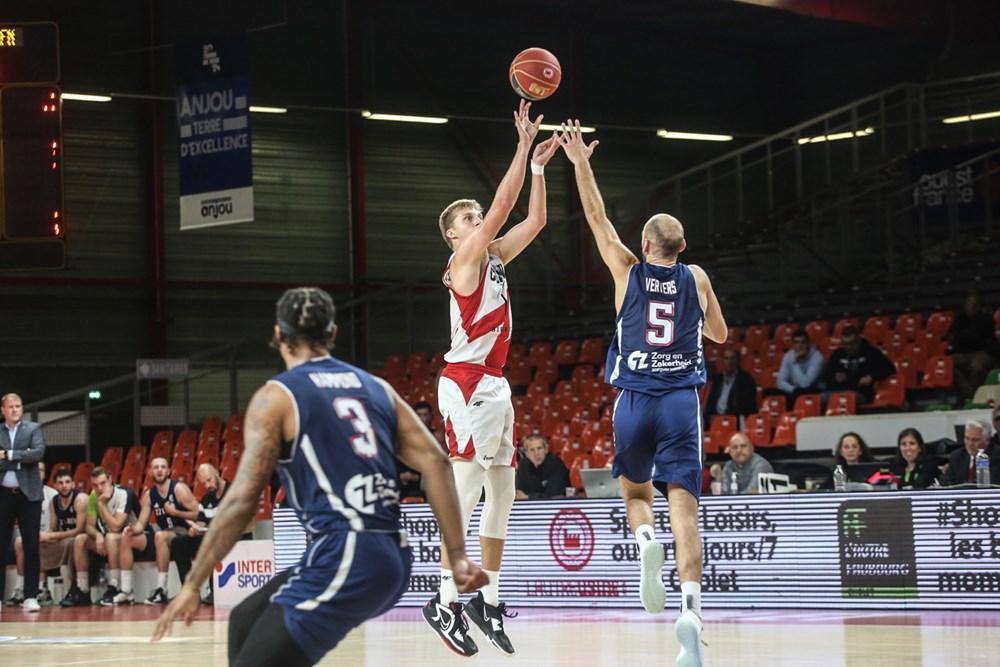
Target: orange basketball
{"type": "Point", "coordinates": [535, 74]}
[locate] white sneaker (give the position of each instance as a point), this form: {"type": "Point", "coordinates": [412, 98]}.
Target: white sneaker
{"type": "Point", "coordinates": [688, 631]}
{"type": "Point", "coordinates": [124, 597]}
{"type": "Point", "coordinates": [30, 606]}
{"type": "Point", "coordinates": [652, 592]}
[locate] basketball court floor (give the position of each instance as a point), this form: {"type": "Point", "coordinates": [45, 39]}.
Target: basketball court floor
{"type": "Point", "coordinates": [574, 638]}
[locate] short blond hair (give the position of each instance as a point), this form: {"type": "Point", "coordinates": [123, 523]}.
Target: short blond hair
{"type": "Point", "coordinates": [9, 397]}
{"type": "Point", "coordinates": [447, 218]}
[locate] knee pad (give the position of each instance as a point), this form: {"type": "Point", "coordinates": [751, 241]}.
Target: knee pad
{"type": "Point", "coordinates": [499, 501]}
{"type": "Point", "coordinates": [469, 477]}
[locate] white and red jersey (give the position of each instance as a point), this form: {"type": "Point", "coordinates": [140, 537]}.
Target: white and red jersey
{"type": "Point", "coordinates": [480, 322]}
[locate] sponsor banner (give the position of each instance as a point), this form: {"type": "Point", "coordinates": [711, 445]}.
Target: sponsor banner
{"type": "Point", "coordinates": [897, 550]}
{"type": "Point", "coordinates": [245, 569]}
{"type": "Point", "coordinates": [213, 128]}
{"type": "Point", "coordinates": [943, 182]}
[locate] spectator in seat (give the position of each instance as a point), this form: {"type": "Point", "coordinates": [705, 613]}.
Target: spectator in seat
{"type": "Point", "coordinates": [851, 449]}
{"type": "Point", "coordinates": [801, 368]}
{"type": "Point", "coordinates": [734, 391]}
{"type": "Point", "coordinates": [913, 463]}
{"type": "Point", "coordinates": [973, 346]}
{"type": "Point", "coordinates": [409, 479]}
{"type": "Point", "coordinates": [540, 474]}
{"type": "Point", "coordinates": [745, 464]}
{"type": "Point", "coordinates": [425, 411]}
{"type": "Point", "coordinates": [856, 366]}
{"type": "Point", "coordinates": [961, 464]}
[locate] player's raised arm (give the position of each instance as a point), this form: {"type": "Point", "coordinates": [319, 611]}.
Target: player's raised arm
{"type": "Point", "coordinates": [715, 324]}
{"type": "Point", "coordinates": [511, 244]}
{"type": "Point", "coordinates": [471, 250]}
{"type": "Point", "coordinates": [618, 258]}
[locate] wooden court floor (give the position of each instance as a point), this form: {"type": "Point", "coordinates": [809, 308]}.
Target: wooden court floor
{"type": "Point", "coordinates": [574, 638]}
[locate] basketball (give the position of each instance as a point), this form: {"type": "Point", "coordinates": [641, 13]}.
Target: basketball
{"type": "Point", "coordinates": [535, 74]}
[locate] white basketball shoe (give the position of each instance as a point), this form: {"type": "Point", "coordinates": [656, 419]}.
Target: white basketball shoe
{"type": "Point", "coordinates": [688, 631]}
{"type": "Point", "coordinates": [652, 592]}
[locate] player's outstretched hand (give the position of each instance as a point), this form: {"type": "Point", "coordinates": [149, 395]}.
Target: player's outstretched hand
{"type": "Point", "coordinates": [526, 129]}
{"type": "Point", "coordinates": [184, 605]}
{"type": "Point", "coordinates": [468, 576]}
{"type": "Point", "coordinates": [577, 150]}
{"type": "Point", "coordinates": [545, 150]}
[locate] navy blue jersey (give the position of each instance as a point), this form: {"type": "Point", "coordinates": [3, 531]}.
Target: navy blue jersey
{"type": "Point", "coordinates": [657, 343]}
{"type": "Point", "coordinates": [65, 518]}
{"type": "Point", "coordinates": [157, 502]}
{"type": "Point", "coordinates": [340, 471]}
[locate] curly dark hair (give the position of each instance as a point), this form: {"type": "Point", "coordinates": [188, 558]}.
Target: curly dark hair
{"type": "Point", "coordinates": [305, 315]}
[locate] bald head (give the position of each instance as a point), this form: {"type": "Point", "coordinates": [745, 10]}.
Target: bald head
{"type": "Point", "coordinates": [663, 237]}
{"type": "Point", "coordinates": [209, 476]}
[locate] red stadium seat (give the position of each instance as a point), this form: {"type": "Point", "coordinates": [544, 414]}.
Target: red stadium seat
{"type": "Point", "coordinates": [567, 352]}
{"type": "Point", "coordinates": [938, 373]}
{"type": "Point", "coordinates": [539, 353]}
{"type": "Point", "coordinates": [877, 329]}
{"type": "Point", "coordinates": [112, 461]}
{"type": "Point", "coordinates": [136, 458]}
{"type": "Point", "coordinates": [581, 461]}
{"type": "Point", "coordinates": [908, 325]}
{"type": "Point", "coordinates": [939, 323]}
{"type": "Point", "coordinates": [889, 393]}
{"type": "Point", "coordinates": [734, 336]}
{"type": "Point", "coordinates": [81, 478]}
{"type": "Point", "coordinates": [808, 405]}
{"type": "Point", "coordinates": [916, 353]}
{"type": "Point", "coordinates": [163, 445]}
{"type": "Point", "coordinates": [775, 406]}
{"type": "Point", "coordinates": [756, 338]}
{"type": "Point", "coordinates": [211, 429]}
{"type": "Point", "coordinates": [519, 373]}
{"type": "Point", "coordinates": [723, 426]}
{"type": "Point", "coordinates": [182, 470]}
{"type": "Point", "coordinates": [784, 434]}
{"type": "Point", "coordinates": [437, 360]}
{"type": "Point", "coordinates": [279, 497]}
{"type": "Point", "coordinates": [592, 351]}
{"type": "Point", "coordinates": [264, 506]}
{"type": "Point", "coordinates": [393, 364]}
{"type": "Point", "coordinates": [56, 467]}
{"type": "Point", "coordinates": [842, 403]}
{"type": "Point", "coordinates": [759, 428]}
{"type": "Point", "coordinates": [783, 334]}
{"type": "Point", "coordinates": [548, 372]}
{"type": "Point", "coordinates": [818, 330]}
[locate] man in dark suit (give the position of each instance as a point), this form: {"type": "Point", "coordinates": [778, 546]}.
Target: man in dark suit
{"type": "Point", "coordinates": [734, 391]}
{"type": "Point", "coordinates": [961, 468]}
{"type": "Point", "coordinates": [21, 448]}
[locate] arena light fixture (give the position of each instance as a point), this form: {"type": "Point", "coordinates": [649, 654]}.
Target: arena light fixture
{"type": "Point", "coordinates": [584, 129]}
{"type": "Point", "coordinates": [268, 109]}
{"type": "Point", "coordinates": [401, 118]}
{"type": "Point", "coordinates": [837, 136]}
{"type": "Point", "coordinates": [692, 136]}
{"type": "Point", "coordinates": [971, 117]}
{"type": "Point", "coordinates": [81, 97]}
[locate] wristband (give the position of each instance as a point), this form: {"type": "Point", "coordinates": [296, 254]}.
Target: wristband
{"type": "Point", "coordinates": [537, 169]}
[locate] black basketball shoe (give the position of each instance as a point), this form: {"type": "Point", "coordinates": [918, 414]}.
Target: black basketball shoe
{"type": "Point", "coordinates": [450, 624]}
{"type": "Point", "coordinates": [76, 598]}
{"type": "Point", "coordinates": [489, 619]}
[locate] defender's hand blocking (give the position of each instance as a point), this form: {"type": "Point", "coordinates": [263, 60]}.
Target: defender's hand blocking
{"type": "Point", "coordinates": [468, 576]}
{"type": "Point", "coordinates": [577, 150]}
{"type": "Point", "coordinates": [545, 150]}
{"type": "Point", "coordinates": [526, 129]}
{"type": "Point", "coordinates": [184, 605]}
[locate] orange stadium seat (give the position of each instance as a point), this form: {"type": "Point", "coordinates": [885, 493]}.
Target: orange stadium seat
{"type": "Point", "coordinates": [579, 462]}
{"type": "Point", "coordinates": [264, 506]}
{"type": "Point", "coordinates": [592, 351]}
{"type": "Point", "coordinates": [783, 334]}
{"type": "Point", "coordinates": [734, 335]}
{"type": "Point", "coordinates": [889, 393]}
{"type": "Point", "coordinates": [56, 467]}
{"type": "Point", "coordinates": [81, 478]}
{"type": "Point", "coordinates": [519, 373]}
{"type": "Point", "coordinates": [136, 457]}
{"type": "Point", "coordinates": [182, 470]}
{"type": "Point", "coordinates": [234, 428]}
{"type": "Point", "coordinates": [279, 497]}
{"type": "Point", "coordinates": [907, 373]}
{"type": "Point", "coordinates": [755, 338]}
{"type": "Point", "coordinates": [916, 353]}
{"type": "Point", "coordinates": [842, 403]}
{"type": "Point", "coordinates": [516, 351]}
{"type": "Point", "coordinates": [784, 434]}
{"type": "Point", "coordinates": [877, 329]}
{"type": "Point", "coordinates": [163, 445]}
{"type": "Point", "coordinates": [112, 461]}
{"type": "Point", "coordinates": [437, 361]}
{"type": "Point", "coordinates": [759, 428]}
{"type": "Point", "coordinates": [808, 405]}
{"type": "Point", "coordinates": [937, 373]}
{"type": "Point", "coordinates": [939, 323]}
{"type": "Point", "coordinates": [775, 406]}
{"type": "Point", "coordinates": [723, 426]}
{"type": "Point", "coordinates": [393, 364]}
{"type": "Point", "coordinates": [818, 330]}
{"type": "Point", "coordinates": [909, 325]}
{"type": "Point", "coordinates": [567, 352]}
{"type": "Point", "coordinates": [211, 427]}
{"type": "Point", "coordinates": [539, 353]}
{"type": "Point", "coordinates": [548, 372]}
{"type": "Point", "coordinates": [937, 346]}
{"type": "Point", "coordinates": [582, 374]}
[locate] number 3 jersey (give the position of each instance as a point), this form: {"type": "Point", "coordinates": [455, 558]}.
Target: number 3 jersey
{"type": "Point", "coordinates": [339, 472]}
{"type": "Point", "coordinates": [657, 343]}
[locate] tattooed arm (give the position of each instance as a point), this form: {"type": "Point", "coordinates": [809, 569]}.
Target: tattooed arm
{"type": "Point", "coordinates": [269, 418]}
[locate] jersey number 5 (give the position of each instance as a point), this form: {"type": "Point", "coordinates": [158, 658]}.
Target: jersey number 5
{"type": "Point", "coordinates": [661, 326]}
{"type": "Point", "coordinates": [353, 410]}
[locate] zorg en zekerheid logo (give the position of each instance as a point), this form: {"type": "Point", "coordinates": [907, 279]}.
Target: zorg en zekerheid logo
{"type": "Point", "coordinates": [571, 538]}
{"type": "Point", "coordinates": [876, 549]}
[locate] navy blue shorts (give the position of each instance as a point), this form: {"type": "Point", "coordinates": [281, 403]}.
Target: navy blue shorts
{"type": "Point", "coordinates": [149, 553]}
{"type": "Point", "coordinates": [659, 438]}
{"type": "Point", "coordinates": [343, 579]}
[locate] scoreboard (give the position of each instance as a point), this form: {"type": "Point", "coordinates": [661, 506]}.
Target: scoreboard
{"type": "Point", "coordinates": [32, 226]}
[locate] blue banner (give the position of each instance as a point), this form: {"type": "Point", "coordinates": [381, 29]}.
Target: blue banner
{"type": "Point", "coordinates": [213, 129]}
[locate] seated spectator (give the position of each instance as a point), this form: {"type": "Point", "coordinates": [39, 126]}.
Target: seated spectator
{"type": "Point", "coordinates": [734, 391]}
{"type": "Point", "coordinates": [44, 597]}
{"type": "Point", "coordinates": [801, 368]}
{"type": "Point", "coordinates": [409, 479]}
{"type": "Point", "coordinates": [851, 449]}
{"type": "Point", "coordinates": [540, 474]}
{"type": "Point", "coordinates": [961, 464]}
{"type": "Point", "coordinates": [745, 464]}
{"type": "Point", "coordinates": [973, 346]}
{"type": "Point", "coordinates": [913, 463]}
{"type": "Point", "coordinates": [856, 366]}
{"type": "Point", "coordinates": [425, 411]}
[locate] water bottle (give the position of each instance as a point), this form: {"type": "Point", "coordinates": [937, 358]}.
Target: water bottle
{"type": "Point", "coordinates": [839, 479]}
{"type": "Point", "coordinates": [734, 485]}
{"type": "Point", "coordinates": [982, 470]}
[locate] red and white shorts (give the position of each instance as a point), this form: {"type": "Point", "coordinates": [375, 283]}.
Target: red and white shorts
{"type": "Point", "coordinates": [478, 415]}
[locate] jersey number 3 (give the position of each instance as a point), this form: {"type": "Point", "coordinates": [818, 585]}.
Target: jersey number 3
{"type": "Point", "coordinates": [661, 326]}
{"type": "Point", "coordinates": [353, 410]}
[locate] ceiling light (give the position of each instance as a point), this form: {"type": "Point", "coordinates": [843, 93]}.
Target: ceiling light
{"type": "Point", "coordinates": [433, 120]}
{"type": "Point", "coordinates": [268, 109]}
{"type": "Point", "coordinates": [975, 116]}
{"type": "Point", "coordinates": [584, 129]}
{"type": "Point", "coordinates": [693, 136]}
{"type": "Point", "coordinates": [80, 97]}
{"type": "Point", "coordinates": [837, 136]}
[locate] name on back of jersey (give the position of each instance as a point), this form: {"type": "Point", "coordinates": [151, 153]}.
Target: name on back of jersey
{"type": "Point", "coordinates": [658, 287]}
{"type": "Point", "coordinates": [659, 362]}
{"type": "Point", "coordinates": [336, 380]}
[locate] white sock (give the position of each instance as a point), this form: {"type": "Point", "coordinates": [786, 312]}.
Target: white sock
{"type": "Point", "coordinates": [448, 590]}
{"type": "Point", "coordinates": [20, 582]}
{"type": "Point", "coordinates": [82, 582]}
{"type": "Point", "coordinates": [161, 580]}
{"type": "Point", "coordinates": [126, 581]}
{"type": "Point", "coordinates": [691, 597]}
{"type": "Point", "coordinates": [491, 591]}
{"type": "Point", "coordinates": [116, 576]}
{"type": "Point", "coordinates": [643, 534]}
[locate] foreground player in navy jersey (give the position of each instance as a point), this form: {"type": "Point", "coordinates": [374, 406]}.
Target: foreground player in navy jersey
{"type": "Point", "coordinates": [656, 361]}
{"type": "Point", "coordinates": [333, 431]}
